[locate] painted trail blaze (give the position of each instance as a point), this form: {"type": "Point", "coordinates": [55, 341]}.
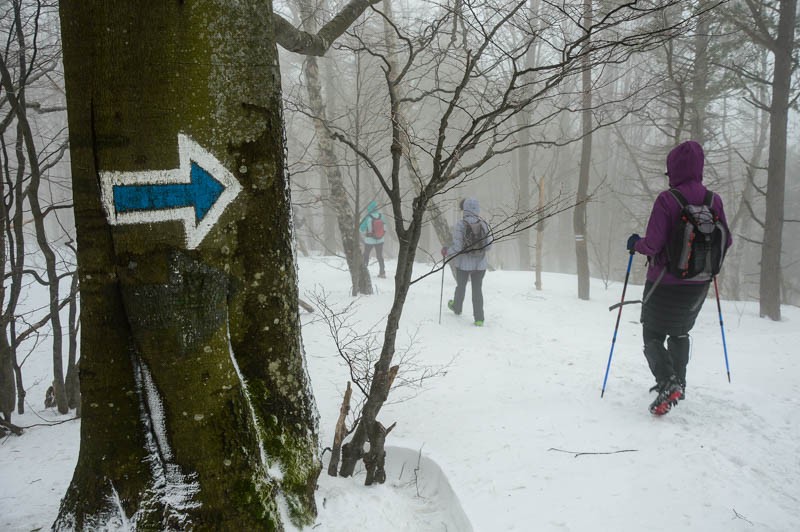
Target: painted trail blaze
{"type": "Point", "coordinates": [195, 194]}
{"type": "Point", "coordinates": [201, 193]}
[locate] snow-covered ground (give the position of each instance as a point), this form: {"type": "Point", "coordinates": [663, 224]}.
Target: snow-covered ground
{"type": "Point", "coordinates": [514, 435]}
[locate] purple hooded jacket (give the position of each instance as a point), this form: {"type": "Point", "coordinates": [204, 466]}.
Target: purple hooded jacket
{"type": "Point", "coordinates": [685, 172]}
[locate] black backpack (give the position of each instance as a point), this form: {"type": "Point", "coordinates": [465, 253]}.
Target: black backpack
{"type": "Point", "coordinates": [698, 240]}
{"type": "Point", "coordinates": [474, 237]}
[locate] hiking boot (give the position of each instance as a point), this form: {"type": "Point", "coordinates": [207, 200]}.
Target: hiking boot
{"type": "Point", "coordinates": [382, 275]}
{"type": "Point", "coordinates": [452, 306]}
{"type": "Point", "coordinates": [668, 393]}
{"type": "Point", "coordinates": [478, 323]}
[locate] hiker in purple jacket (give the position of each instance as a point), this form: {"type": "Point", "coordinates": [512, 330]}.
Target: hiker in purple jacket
{"type": "Point", "coordinates": [671, 304]}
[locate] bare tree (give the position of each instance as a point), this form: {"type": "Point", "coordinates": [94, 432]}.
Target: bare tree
{"type": "Point", "coordinates": [773, 25]}
{"type": "Point", "coordinates": [33, 143]}
{"type": "Point", "coordinates": [359, 350]}
{"type": "Point", "coordinates": [347, 215]}
{"type": "Point", "coordinates": [579, 220]}
{"type": "Point", "coordinates": [472, 120]}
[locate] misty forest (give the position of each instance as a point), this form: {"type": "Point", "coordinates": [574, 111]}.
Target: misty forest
{"type": "Point", "coordinates": [166, 165]}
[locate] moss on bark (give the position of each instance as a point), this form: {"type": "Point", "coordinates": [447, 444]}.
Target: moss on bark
{"type": "Point", "coordinates": [192, 367]}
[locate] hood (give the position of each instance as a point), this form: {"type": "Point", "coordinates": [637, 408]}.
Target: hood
{"type": "Point", "coordinates": [685, 163]}
{"type": "Point", "coordinates": [372, 207]}
{"type": "Point", "coordinates": [472, 206]}
{"type": "Point", "coordinates": [472, 210]}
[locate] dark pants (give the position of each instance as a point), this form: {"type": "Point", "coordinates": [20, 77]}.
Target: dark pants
{"type": "Point", "coordinates": [378, 254]}
{"type": "Point", "coordinates": [669, 361]}
{"type": "Point", "coordinates": [669, 314]}
{"type": "Point", "coordinates": [476, 276]}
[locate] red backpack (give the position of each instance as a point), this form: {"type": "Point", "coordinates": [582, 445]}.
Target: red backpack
{"type": "Point", "coordinates": [377, 230]}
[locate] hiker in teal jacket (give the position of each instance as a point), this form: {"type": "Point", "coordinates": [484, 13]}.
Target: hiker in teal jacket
{"type": "Point", "coordinates": [373, 229]}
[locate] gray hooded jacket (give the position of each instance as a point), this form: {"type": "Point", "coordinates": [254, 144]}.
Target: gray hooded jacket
{"type": "Point", "coordinates": [474, 260]}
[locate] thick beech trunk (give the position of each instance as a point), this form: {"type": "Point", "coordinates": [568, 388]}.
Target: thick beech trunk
{"type": "Point", "coordinates": [196, 408]}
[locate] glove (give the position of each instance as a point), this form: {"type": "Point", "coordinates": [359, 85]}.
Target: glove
{"type": "Point", "coordinates": [632, 242]}
{"type": "Point", "coordinates": [444, 251]}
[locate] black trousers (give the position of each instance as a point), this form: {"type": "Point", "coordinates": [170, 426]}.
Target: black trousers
{"type": "Point", "coordinates": [378, 253]}
{"type": "Point", "coordinates": [669, 314]}
{"type": "Point", "coordinates": [666, 361]}
{"type": "Point", "coordinates": [476, 276]}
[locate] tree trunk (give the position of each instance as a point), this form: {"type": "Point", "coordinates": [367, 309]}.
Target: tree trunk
{"type": "Point", "coordinates": [523, 179]}
{"type": "Point", "coordinates": [524, 157]}
{"type": "Point", "coordinates": [436, 216]}
{"type": "Point", "coordinates": [540, 235]}
{"type": "Point", "coordinates": [340, 431]}
{"type": "Point", "coordinates": [72, 381]}
{"type": "Point", "coordinates": [382, 377]}
{"type": "Point", "coordinates": [579, 215]}
{"type": "Point", "coordinates": [770, 289]}
{"type": "Point", "coordinates": [197, 410]}
{"type": "Point", "coordinates": [17, 101]}
{"type": "Point", "coordinates": [700, 77]}
{"type": "Point", "coordinates": [8, 389]}
{"type": "Point", "coordinates": [346, 219]}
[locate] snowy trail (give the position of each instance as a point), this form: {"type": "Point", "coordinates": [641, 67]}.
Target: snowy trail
{"type": "Point", "coordinates": [518, 393]}
{"type": "Point", "coordinates": [529, 381]}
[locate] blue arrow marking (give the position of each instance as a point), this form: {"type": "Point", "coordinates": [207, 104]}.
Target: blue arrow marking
{"type": "Point", "coordinates": [195, 194]}
{"type": "Point", "coordinates": [201, 193]}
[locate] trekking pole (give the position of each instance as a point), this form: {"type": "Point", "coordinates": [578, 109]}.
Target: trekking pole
{"type": "Point", "coordinates": [619, 315]}
{"type": "Point", "coordinates": [722, 328]}
{"type": "Point", "coordinates": [441, 291]}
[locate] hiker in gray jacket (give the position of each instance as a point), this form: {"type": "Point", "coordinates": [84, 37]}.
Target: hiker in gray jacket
{"type": "Point", "coordinates": [471, 240]}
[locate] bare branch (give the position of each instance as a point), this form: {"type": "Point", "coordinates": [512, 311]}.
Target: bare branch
{"type": "Point", "coordinates": [302, 42]}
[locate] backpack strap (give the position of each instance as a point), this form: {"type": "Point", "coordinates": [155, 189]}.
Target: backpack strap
{"type": "Point", "coordinates": [678, 197]}
{"type": "Point", "coordinates": [707, 201]}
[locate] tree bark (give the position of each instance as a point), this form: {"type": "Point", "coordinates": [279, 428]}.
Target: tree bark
{"type": "Point", "coordinates": [197, 413]}
{"type": "Point", "coordinates": [523, 180]}
{"type": "Point", "coordinates": [540, 236]}
{"type": "Point", "coordinates": [771, 273]}
{"type": "Point", "coordinates": [340, 431]}
{"type": "Point", "coordinates": [700, 77]}
{"type": "Point", "coordinates": [580, 213]}
{"type": "Point", "coordinates": [435, 214]}
{"type": "Point", "coordinates": [17, 101]}
{"type": "Point", "coordinates": [72, 381]}
{"type": "Point", "coordinates": [345, 217]}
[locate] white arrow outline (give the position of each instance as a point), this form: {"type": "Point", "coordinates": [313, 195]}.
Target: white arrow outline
{"type": "Point", "coordinates": [188, 151]}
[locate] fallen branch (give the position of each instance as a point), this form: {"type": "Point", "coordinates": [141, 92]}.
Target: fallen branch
{"type": "Point", "coordinates": [740, 516]}
{"type": "Point", "coordinates": [339, 433]}
{"type": "Point", "coordinates": [50, 424]}
{"type": "Point", "coordinates": [580, 453]}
